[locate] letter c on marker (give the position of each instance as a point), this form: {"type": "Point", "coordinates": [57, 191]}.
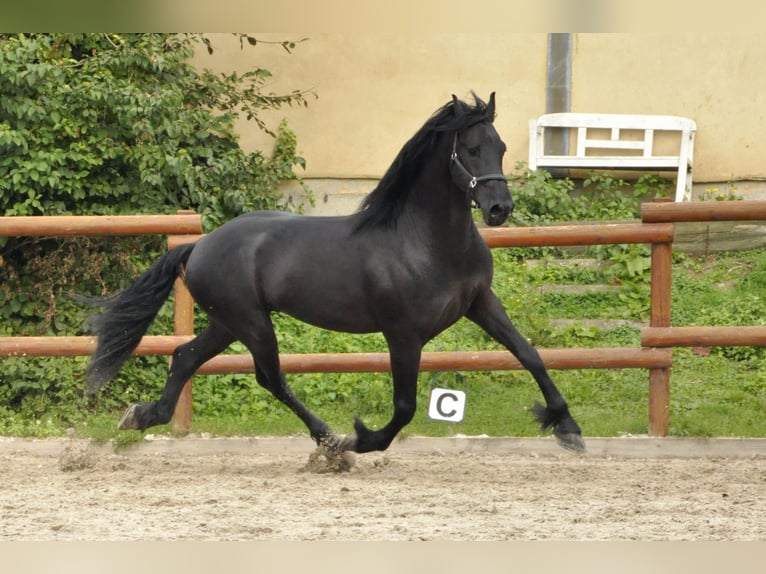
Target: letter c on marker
{"type": "Point", "coordinates": [446, 405]}
{"type": "Point", "coordinates": [440, 402]}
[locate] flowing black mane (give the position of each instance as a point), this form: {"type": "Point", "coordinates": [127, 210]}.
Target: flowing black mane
{"type": "Point", "coordinates": [384, 205]}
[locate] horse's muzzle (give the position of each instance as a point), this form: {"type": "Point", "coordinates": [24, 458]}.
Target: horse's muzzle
{"type": "Point", "coordinates": [495, 202]}
{"type": "Point", "coordinates": [498, 213]}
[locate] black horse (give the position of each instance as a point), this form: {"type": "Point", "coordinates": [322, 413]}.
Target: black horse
{"type": "Point", "coordinates": [409, 264]}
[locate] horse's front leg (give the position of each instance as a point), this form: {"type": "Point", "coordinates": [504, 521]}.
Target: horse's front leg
{"type": "Point", "coordinates": [405, 365]}
{"type": "Point", "coordinates": [489, 314]}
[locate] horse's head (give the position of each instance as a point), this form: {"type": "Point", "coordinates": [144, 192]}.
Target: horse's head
{"type": "Point", "coordinates": [476, 163]}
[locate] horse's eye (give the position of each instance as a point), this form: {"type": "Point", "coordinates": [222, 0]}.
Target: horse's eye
{"type": "Point", "coordinates": [474, 151]}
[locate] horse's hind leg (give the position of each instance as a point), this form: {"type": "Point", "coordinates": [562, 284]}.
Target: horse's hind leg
{"type": "Point", "coordinates": [187, 358]}
{"type": "Point", "coordinates": [261, 341]}
{"type": "Point", "coordinates": [275, 382]}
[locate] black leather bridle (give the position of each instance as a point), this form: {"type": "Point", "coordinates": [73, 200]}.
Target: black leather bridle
{"type": "Point", "coordinates": [473, 181]}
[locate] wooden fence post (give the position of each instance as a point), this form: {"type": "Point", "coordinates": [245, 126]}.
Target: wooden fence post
{"type": "Point", "coordinates": [659, 379]}
{"type": "Point", "coordinates": [183, 324]}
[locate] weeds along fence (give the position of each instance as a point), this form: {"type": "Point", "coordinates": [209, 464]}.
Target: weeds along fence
{"type": "Point", "coordinates": [657, 340]}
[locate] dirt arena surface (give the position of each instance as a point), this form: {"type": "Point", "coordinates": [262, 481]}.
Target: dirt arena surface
{"type": "Point", "coordinates": [210, 490]}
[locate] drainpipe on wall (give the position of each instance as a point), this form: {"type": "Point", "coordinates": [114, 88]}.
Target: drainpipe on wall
{"type": "Point", "coordinates": [558, 92]}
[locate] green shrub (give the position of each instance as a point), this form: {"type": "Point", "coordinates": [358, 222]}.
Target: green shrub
{"type": "Point", "coordinates": [114, 124]}
{"type": "Point", "coordinates": [108, 123]}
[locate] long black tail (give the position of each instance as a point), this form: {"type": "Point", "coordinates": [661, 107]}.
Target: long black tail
{"type": "Point", "coordinates": [119, 329]}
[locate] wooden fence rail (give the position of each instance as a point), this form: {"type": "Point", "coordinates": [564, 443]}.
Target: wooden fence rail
{"type": "Point", "coordinates": [657, 340]}
{"type": "Point", "coordinates": [68, 225]}
{"type": "Point", "coordinates": [605, 358]}
{"type": "Point", "coordinates": [744, 336]}
{"type": "Point", "coordinates": [745, 210]}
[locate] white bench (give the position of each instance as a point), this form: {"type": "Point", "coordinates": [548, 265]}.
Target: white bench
{"type": "Point", "coordinates": [617, 141]}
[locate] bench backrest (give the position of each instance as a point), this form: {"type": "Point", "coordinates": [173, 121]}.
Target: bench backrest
{"type": "Point", "coordinates": [608, 141]}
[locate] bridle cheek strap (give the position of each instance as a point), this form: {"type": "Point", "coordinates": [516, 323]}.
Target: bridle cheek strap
{"type": "Point", "coordinates": [457, 168]}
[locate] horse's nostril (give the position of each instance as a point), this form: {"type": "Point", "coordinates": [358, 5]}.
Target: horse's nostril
{"type": "Point", "coordinates": [498, 214]}
{"type": "Point", "coordinates": [498, 211]}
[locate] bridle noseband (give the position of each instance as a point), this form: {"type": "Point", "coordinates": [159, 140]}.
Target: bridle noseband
{"type": "Point", "coordinates": [473, 180]}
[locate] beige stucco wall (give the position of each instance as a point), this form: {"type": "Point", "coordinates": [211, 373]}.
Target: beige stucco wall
{"type": "Point", "coordinates": [375, 90]}
{"type": "Point", "coordinates": [717, 80]}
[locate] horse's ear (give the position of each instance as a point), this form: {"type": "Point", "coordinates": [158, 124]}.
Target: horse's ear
{"type": "Point", "coordinates": [455, 104]}
{"type": "Point", "coordinates": [491, 106]}
{"type": "Point", "coordinates": [460, 106]}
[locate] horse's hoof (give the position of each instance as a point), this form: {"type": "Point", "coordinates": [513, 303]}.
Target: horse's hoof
{"type": "Point", "coordinates": [347, 449]}
{"type": "Point", "coordinates": [348, 443]}
{"type": "Point", "coordinates": [571, 441]}
{"type": "Point", "coordinates": [328, 457]}
{"type": "Point", "coordinates": [129, 421]}
{"type": "Point", "coordinates": [349, 458]}
{"type": "Point", "coordinates": [329, 442]}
